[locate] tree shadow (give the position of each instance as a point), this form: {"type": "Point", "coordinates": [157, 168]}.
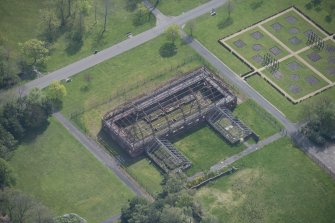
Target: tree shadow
{"type": "Point", "coordinates": [168, 50]}
{"type": "Point", "coordinates": [116, 151]}
{"type": "Point", "coordinates": [225, 23]}
{"type": "Point", "coordinates": [73, 46]}
{"type": "Point", "coordinates": [32, 134]}
{"type": "Point", "coordinates": [256, 5]}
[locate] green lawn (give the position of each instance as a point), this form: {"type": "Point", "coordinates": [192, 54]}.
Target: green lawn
{"type": "Point", "coordinates": [20, 21]}
{"type": "Point", "coordinates": [146, 174]}
{"type": "Point", "coordinates": [248, 52]}
{"type": "Point", "coordinates": [205, 148]}
{"type": "Point", "coordinates": [283, 34]}
{"type": "Point", "coordinates": [275, 184]}
{"type": "Point", "coordinates": [176, 7]}
{"type": "Point", "coordinates": [322, 65]}
{"type": "Point", "coordinates": [126, 73]}
{"type": "Point", "coordinates": [244, 14]}
{"type": "Point", "coordinates": [256, 118]}
{"type": "Point", "coordinates": [291, 111]}
{"type": "Point", "coordinates": [58, 171]}
{"type": "Point", "coordinates": [286, 81]}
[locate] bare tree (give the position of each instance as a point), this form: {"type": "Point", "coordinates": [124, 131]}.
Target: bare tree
{"type": "Point", "coordinates": [105, 16]}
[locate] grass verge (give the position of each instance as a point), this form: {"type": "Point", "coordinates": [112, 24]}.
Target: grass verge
{"type": "Point", "coordinates": [276, 184]}
{"type": "Point", "coordinates": [57, 170]}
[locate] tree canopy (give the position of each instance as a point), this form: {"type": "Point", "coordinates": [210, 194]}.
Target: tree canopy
{"type": "Point", "coordinates": [175, 204]}
{"type": "Point", "coordinates": [320, 118]}
{"type": "Point", "coordinates": [7, 177]}
{"type": "Point", "coordinates": [172, 32]}
{"type": "Point", "coordinates": [34, 51]}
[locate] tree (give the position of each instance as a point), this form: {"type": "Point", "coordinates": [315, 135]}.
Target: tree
{"type": "Point", "coordinates": [105, 17]}
{"type": "Point", "coordinates": [173, 214]}
{"type": "Point", "coordinates": [7, 142]}
{"type": "Point", "coordinates": [56, 91]}
{"type": "Point", "coordinates": [191, 27]}
{"type": "Point", "coordinates": [172, 33]}
{"type": "Point", "coordinates": [8, 69]}
{"type": "Point", "coordinates": [142, 15]}
{"type": "Point", "coordinates": [34, 51]}
{"type": "Point", "coordinates": [7, 178]}
{"type": "Point", "coordinates": [320, 118]}
{"type": "Point", "coordinates": [18, 207]}
{"type": "Point", "coordinates": [50, 23]}
{"type": "Point", "coordinates": [229, 8]}
{"type": "Point", "coordinates": [174, 204]}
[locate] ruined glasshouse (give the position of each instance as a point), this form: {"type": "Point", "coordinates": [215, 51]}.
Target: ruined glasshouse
{"type": "Point", "coordinates": [146, 124]}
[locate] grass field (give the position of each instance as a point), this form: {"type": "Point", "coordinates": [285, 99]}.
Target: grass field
{"type": "Point", "coordinates": [301, 26]}
{"type": "Point", "coordinates": [247, 51]}
{"type": "Point", "coordinates": [20, 21]}
{"type": "Point", "coordinates": [324, 63]}
{"type": "Point", "coordinates": [303, 73]}
{"type": "Point", "coordinates": [176, 7]}
{"type": "Point", "coordinates": [119, 76]}
{"type": "Point", "coordinates": [205, 148]}
{"type": "Point", "coordinates": [291, 111]}
{"type": "Point", "coordinates": [276, 184]}
{"type": "Point", "coordinates": [147, 175]}
{"type": "Point", "coordinates": [245, 13]}
{"type": "Point", "coordinates": [58, 171]}
{"type": "Point", "coordinates": [256, 118]}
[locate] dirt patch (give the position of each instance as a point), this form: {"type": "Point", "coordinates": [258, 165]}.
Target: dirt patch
{"type": "Point", "coordinates": [314, 56]}
{"type": "Point", "coordinates": [295, 89]}
{"type": "Point", "coordinates": [293, 66]}
{"type": "Point", "coordinates": [312, 80]}
{"type": "Point", "coordinates": [257, 47]}
{"type": "Point", "coordinates": [295, 40]}
{"type": "Point", "coordinates": [276, 26]}
{"type": "Point", "coordinates": [293, 30]}
{"type": "Point", "coordinates": [257, 35]}
{"type": "Point", "coordinates": [291, 19]}
{"type": "Point", "coordinates": [239, 43]}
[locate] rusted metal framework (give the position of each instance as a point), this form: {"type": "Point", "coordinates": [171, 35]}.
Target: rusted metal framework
{"type": "Point", "coordinates": [232, 129]}
{"type": "Point", "coordinates": [172, 109]}
{"type": "Point", "coordinates": [166, 156]}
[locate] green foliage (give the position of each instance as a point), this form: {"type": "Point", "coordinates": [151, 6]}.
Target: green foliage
{"type": "Point", "coordinates": [21, 116]}
{"type": "Point", "coordinates": [131, 5]}
{"type": "Point", "coordinates": [69, 218]}
{"type": "Point", "coordinates": [56, 91]}
{"type": "Point", "coordinates": [50, 23]}
{"type": "Point", "coordinates": [328, 18]}
{"type": "Point", "coordinates": [320, 117]}
{"type": "Point", "coordinates": [34, 51]}
{"type": "Point", "coordinates": [142, 15]}
{"type": "Point", "coordinates": [7, 142]}
{"type": "Point", "coordinates": [174, 204]}
{"type": "Point", "coordinates": [7, 177]}
{"type": "Point", "coordinates": [18, 207]}
{"type": "Point", "coordinates": [172, 33]}
{"type": "Point", "coordinates": [8, 69]}
{"type": "Point", "coordinates": [257, 4]}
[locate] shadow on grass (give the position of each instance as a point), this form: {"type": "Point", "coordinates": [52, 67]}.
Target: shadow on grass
{"type": "Point", "coordinates": [168, 50]}
{"type": "Point", "coordinates": [33, 133]}
{"type": "Point", "coordinates": [73, 46]}
{"type": "Point", "coordinates": [116, 151]}
{"type": "Point", "coordinates": [225, 23]}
